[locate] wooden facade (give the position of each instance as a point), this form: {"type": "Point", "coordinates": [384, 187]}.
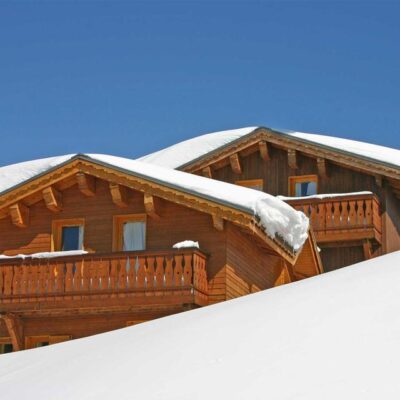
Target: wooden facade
{"type": "Point", "coordinates": [349, 228]}
{"type": "Point", "coordinates": [50, 299]}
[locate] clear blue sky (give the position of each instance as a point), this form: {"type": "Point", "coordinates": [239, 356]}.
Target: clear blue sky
{"type": "Point", "coordinates": [128, 78]}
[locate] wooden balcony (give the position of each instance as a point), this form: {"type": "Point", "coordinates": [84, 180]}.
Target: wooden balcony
{"type": "Point", "coordinates": [355, 217]}
{"type": "Point", "coordinates": [103, 282]}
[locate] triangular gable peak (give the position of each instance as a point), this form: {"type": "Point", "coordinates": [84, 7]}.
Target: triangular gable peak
{"type": "Point", "coordinates": [82, 170]}
{"type": "Point", "coordinates": [325, 150]}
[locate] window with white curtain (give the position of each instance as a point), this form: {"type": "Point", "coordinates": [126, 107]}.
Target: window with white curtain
{"type": "Point", "coordinates": [129, 232]}
{"type": "Point", "coordinates": [133, 235]}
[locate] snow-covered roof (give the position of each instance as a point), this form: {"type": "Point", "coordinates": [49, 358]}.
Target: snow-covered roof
{"type": "Point", "coordinates": [188, 151]}
{"type": "Point", "coordinates": [15, 174]}
{"type": "Point", "coordinates": [334, 336]}
{"type": "Point", "coordinates": [279, 220]}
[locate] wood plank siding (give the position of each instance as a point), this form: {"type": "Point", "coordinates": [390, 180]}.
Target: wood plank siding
{"type": "Point", "coordinates": [337, 249]}
{"type": "Point", "coordinates": [75, 296]}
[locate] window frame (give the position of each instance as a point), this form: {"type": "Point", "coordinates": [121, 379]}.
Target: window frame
{"type": "Point", "coordinates": [251, 182]}
{"type": "Point", "coordinates": [32, 341]}
{"type": "Point", "coordinates": [300, 179]}
{"type": "Point", "coordinates": [4, 341]}
{"type": "Point", "coordinates": [56, 231]}
{"type": "Point", "coordinates": [118, 221]}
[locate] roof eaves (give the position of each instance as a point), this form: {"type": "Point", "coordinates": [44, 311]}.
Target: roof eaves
{"type": "Point", "coordinates": [62, 164]}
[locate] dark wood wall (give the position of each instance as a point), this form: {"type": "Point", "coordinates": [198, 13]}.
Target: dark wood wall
{"type": "Point", "coordinates": [249, 269]}
{"type": "Point", "coordinates": [276, 173]}
{"type": "Point", "coordinates": [391, 222]}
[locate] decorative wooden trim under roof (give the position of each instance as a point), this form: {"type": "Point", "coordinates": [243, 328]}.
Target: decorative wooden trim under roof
{"type": "Point", "coordinates": [151, 187]}
{"type": "Point", "coordinates": [285, 141]}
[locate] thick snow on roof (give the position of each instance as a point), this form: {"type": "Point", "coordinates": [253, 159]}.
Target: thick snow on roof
{"type": "Point", "coordinates": [15, 174]}
{"type": "Point", "coordinates": [334, 336]}
{"type": "Point", "coordinates": [190, 150]}
{"type": "Point", "coordinates": [277, 218]}
{"type": "Point", "coordinates": [372, 151]}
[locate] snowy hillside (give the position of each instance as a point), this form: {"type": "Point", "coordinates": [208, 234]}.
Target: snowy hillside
{"type": "Point", "coordinates": [335, 336]}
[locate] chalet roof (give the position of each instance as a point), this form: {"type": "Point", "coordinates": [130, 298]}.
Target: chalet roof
{"type": "Point", "coordinates": [279, 221]}
{"type": "Point", "coordinates": [192, 150]}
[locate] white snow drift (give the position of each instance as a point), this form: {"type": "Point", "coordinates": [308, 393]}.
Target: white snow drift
{"type": "Point", "coordinates": [334, 336]}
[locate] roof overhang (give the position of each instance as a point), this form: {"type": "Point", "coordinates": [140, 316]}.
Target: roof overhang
{"type": "Point", "coordinates": [152, 186]}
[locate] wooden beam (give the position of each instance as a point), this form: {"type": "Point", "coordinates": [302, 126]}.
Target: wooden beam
{"type": "Point", "coordinates": [289, 270]}
{"type": "Point", "coordinates": [218, 223]}
{"type": "Point", "coordinates": [52, 199]}
{"type": "Point", "coordinates": [15, 330]}
{"type": "Point", "coordinates": [322, 167]}
{"type": "Point", "coordinates": [367, 249]}
{"type": "Point", "coordinates": [378, 180]}
{"type": "Point", "coordinates": [119, 194]}
{"type": "Point", "coordinates": [292, 159]}
{"type": "Point", "coordinates": [264, 150]}
{"type": "Point", "coordinates": [149, 206]}
{"type": "Point", "coordinates": [207, 172]}
{"type": "Point", "coordinates": [86, 184]}
{"type": "Point", "coordinates": [19, 215]}
{"type": "Point", "coordinates": [235, 163]}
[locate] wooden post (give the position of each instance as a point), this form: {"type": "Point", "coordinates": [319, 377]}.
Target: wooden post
{"type": "Point", "coordinates": [264, 150]}
{"type": "Point", "coordinates": [149, 206]}
{"type": "Point", "coordinates": [119, 194]}
{"type": "Point", "coordinates": [86, 184]}
{"type": "Point", "coordinates": [322, 167]}
{"type": "Point", "coordinates": [218, 223]}
{"type": "Point", "coordinates": [19, 215]}
{"type": "Point", "coordinates": [15, 330]}
{"type": "Point", "coordinates": [235, 163]}
{"type": "Point", "coordinates": [52, 199]}
{"type": "Point", "coordinates": [292, 159]}
{"type": "Point", "coordinates": [207, 172]}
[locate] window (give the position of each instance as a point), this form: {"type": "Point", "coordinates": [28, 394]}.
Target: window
{"type": "Point", "coordinates": [129, 232]}
{"type": "Point", "coordinates": [256, 184]}
{"type": "Point", "coordinates": [67, 234]}
{"type": "Point", "coordinates": [301, 186]}
{"type": "Point", "coordinates": [5, 345]}
{"type": "Point", "coordinates": [32, 342]}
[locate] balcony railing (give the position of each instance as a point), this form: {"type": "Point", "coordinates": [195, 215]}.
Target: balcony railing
{"type": "Point", "coordinates": [350, 217]}
{"type": "Point", "coordinates": [138, 278]}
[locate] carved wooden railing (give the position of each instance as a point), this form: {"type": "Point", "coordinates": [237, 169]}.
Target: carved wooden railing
{"type": "Point", "coordinates": [342, 218]}
{"type": "Point", "coordinates": [164, 273]}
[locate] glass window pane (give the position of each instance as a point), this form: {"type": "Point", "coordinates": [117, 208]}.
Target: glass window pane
{"type": "Point", "coordinates": [71, 238]}
{"type": "Point", "coordinates": [305, 189]}
{"type": "Point", "coordinates": [134, 236]}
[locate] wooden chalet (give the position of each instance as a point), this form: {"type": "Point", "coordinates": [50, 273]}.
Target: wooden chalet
{"type": "Point", "coordinates": [349, 190]}
{"type": "Point", "coordinates": [108, 225]}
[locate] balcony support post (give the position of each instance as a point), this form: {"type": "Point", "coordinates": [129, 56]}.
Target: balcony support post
{"type": "Point", "coordinates": [15, 330]}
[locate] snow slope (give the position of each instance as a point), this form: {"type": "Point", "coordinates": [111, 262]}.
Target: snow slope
{"type": "Point", "coordinates": [276, 217]}
{"type": "Point", "coordinates": [179, 154]}
{"type": "Point", "coordinates": [334, 336]}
